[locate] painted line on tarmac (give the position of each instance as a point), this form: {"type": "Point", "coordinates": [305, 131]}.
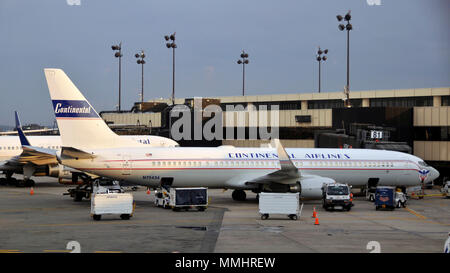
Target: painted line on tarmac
{"type": "Point", "coordinates": [37, 209]}
{"type": "Point", "coordinates": [10, 251]}
{"type": "Point", "coordinates": [122, 222]}
{"type": "Point", "coordinates": [57, 251]}
{"type": "Point", "coordinates": [106, 251]}
{"type": "Point", "coordinates": [416, 213]}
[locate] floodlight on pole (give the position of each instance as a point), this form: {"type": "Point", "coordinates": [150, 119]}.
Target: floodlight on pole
{"type": "Point", "coordinates": [321, 59]}
{"type": "Point", "coordinates": [140, 60]}
{"type": "Point", "coordinates": [347, 27]}
{"type": "Point", "coordinates": [171, 44]}
{"type": "Point", "coordinates": [118, 54]}
{"type": "Point", "coordinates": [243, 61]}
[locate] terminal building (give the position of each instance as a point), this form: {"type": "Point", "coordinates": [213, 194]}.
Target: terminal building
{"type": "Point", "coordinates": [415, 121]}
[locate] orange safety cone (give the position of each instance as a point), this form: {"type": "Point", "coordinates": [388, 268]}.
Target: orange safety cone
{"type": "Point", "coordinates": [317, 221]}
{"type": "Point", "coordinates": [31, 191]}
{"type": "Point", "coordinates": [314, 213]}
{"type": "Point", "coordinates": [148, 191]}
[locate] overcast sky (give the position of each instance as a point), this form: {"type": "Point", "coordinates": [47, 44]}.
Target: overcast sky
{"type": "Point", "coordinates": [398, 44]}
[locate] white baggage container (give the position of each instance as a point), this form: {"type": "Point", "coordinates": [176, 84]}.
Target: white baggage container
{"type": "Point", "coordinates": [112, 203]}
{"type": "Point", "coordinates": [279, 203]}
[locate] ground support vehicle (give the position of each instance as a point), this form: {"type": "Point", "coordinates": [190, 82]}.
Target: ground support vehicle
{"type": "Point", "coordinates": [385, 198]}
{"type": "Point", "coordinates": [106, 201]}
{"type": "Point", "coordinates": [182, 198]}
{"type": "Point", "coordinates": [446, 189]}
{"type": "Point", "coordinates": [336, 195]}
{"type": "Point", "coordinates": [279, 203]}
{"type": "Point", "coordinates": [400, 199]}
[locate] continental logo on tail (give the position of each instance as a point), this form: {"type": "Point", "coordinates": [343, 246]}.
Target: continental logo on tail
{"type": "Point", "coordinates": [73, 109]}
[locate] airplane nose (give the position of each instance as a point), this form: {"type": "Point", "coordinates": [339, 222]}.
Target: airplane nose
{"type": "Point", "coordinates": [436, 173]}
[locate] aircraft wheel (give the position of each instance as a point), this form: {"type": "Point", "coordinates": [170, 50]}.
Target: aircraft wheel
{"type": "Point", "coordinates": [12, 181]}
{"type": "Point", "coordinates": [29, 183]}
{"type": "Point", "coordinates": [239, 195]}
{"type": "Point", "coordinates": [78, 197]}
{"type": "Point", "coordinates": [3, 181]}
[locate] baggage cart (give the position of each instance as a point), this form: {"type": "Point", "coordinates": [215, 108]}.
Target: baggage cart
{"type": "Point", "coordinates": [279, 203]}
{"type": "Point", "coordinates": [111, 200]}
{"type": "Point", "coordinates": [182, 198]}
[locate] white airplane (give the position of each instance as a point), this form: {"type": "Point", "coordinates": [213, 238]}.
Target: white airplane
{"type": "Point", "coordinates": [15, 159]}
{"type": "Point", "coordinates": [89, 145]}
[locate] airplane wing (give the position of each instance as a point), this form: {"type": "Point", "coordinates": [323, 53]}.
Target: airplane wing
{"type": "Point", "coordinates": [27, 131]}
{"type": "Point", "coordinates": [287, 174]}
{"type": "Point", "coordinates": [30, 154]}
{"type": "Point", "coordinates": [37, 156]}
{"type": "Point", "coordinates": [33, 157]}
{"type": "Point", "coordinates": [70, 152]}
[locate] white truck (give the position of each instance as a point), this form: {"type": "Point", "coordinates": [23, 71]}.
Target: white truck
{"type": "Point", "coordinates": [111, 200]}
{"type": "Point", "coordinates": [279, 203]}
{"type": "Point", "coordinates": [446, 189]}
{"type": "Point", "coordinates": [182, 198]}
{"type": "Point", "coordinates": [336, 195]}
{"type": "Point", "coordinates": [400, 199]}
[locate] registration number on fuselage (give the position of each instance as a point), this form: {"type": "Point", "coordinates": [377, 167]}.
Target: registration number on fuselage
{"type": "Point", "coordinates": [151, 177]}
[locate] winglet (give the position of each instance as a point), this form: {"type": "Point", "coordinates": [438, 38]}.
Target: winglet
{"type": "Point", "coordinates": [285, 162]}
{"type": "Point", "coordinates": [23, 138]}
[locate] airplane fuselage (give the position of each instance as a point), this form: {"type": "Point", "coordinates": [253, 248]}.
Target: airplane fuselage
{"type": "Point", "coordinates": [10, 145]}
{"type": "Point", "coordinates": [230, 167]}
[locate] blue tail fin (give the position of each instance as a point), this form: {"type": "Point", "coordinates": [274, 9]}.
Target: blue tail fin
{"type": "Point", "coordinates": [23, 138]}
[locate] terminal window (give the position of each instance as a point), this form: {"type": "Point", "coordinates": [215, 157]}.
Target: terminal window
{"type": "Point", "coordinates": [401, 102]}
{"type": "Point", "coordinates": [445, 101]}
{"type": "Point", "coordinates": [282, 105]}
{"type": "Point", "coordinates": [433, 133]}
{"type": "Point", "coordinates": [330, 104]}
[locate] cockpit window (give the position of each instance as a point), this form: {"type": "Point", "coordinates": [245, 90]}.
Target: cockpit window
{"type": "Point", "coordinates": [423, 164]}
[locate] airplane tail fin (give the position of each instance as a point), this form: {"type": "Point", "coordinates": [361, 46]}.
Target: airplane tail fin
{"type": "Point", "coordinates": [79, 124]}
{"type": "Point", "coordinates": [22, 137]}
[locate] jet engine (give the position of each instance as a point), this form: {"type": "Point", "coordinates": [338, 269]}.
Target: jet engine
{"type": "Point", "coordinates": [65, 175]}
{"type": "Point", "coordinates": [311, 186]}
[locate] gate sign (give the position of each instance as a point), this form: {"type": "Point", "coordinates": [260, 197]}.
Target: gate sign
{"type": "Point", "coordinates": [376, 134]}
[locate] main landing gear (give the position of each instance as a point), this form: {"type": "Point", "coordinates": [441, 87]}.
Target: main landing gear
{"type": "Point", "coordinates": [239, 195]}
{"type": "Point", "coordinates": [9, 180]}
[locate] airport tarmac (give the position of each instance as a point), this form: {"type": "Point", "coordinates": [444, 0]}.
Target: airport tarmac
{"type": "Point", "coordinates": [47, 221]}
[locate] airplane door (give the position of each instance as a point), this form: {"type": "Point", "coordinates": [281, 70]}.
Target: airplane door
{"type": "Point", "coordinates": [126, 165]}
{"type": "Point", "coordinates": [404, 174]}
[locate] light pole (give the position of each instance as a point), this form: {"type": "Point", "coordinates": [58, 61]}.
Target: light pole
{"type": "Point", "coordinates": [321, 58]}
{"type": "Point", "coordinates": [171, 44]}
{"type": "Point", "coordinates": [243, 61]}
{"type": "Point", "coordinates": [347, 27]}
{"type": "Point", "coordinates": [140, 60]}
{"type": "Point", "coordinates": [118, 54]}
